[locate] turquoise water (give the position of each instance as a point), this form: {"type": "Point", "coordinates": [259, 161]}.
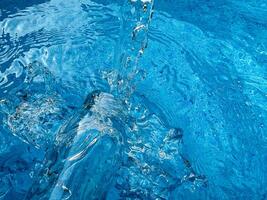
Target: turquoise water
{"type": "Point", "coordinates": [133, 100]}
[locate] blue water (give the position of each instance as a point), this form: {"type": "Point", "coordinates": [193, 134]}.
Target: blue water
{"type": "Point", "coordinates": [133, 99]}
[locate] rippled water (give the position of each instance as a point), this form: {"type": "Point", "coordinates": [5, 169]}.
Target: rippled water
{"type": "Point", "coordinates": [100, 100]}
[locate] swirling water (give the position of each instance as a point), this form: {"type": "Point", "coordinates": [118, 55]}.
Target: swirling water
{"type": "Point", "coordinates": [91, 110]}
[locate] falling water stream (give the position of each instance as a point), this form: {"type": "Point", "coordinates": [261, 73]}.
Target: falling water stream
{"type": "Point", "coordinates": [135, 19]}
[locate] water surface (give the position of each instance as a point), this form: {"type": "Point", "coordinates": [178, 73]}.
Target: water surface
{"type": "Point", "coordinates": [186, 119]}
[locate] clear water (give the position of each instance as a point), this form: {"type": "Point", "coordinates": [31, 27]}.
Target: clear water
{"type": "Point", "coordinates": [93, 108]}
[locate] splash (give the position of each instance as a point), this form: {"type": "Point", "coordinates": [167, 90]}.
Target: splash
{"type": "Point", "coordinates": [71, 168]}
{"type": "Point", "coordinates": [98, 128]}
{"type": "Point", "coordinates": [117, 134]}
